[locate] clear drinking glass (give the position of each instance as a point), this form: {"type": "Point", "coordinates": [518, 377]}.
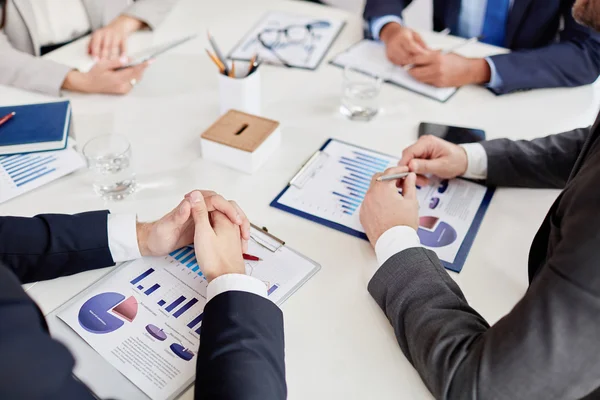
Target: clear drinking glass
{"type": "Point", "coordinates": [360, 95]}
{"type": "Point", "coordinates": [109, 160]}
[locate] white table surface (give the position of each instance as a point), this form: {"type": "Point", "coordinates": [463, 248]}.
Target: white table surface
{"type": "Point", "coordinates": [339, 345]}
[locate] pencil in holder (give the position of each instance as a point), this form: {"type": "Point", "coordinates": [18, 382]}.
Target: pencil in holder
{"type": "Point", "coordinates": [240, 93]}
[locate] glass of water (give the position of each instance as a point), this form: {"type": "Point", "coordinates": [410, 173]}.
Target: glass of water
{"type": "Point", "coordinates": [360, 95]}
{"type": "Point", "coordinates": [109, 160]}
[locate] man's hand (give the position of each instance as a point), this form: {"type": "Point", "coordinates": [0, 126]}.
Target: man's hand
{"type": "Point", "coordinates": [401, 43]}
{"type": "Point", "coordinates": [384, 208]}
{"type": "Point", "coordinates": [432, 155]}
{"type": "Point", "coordinates": [449, 70]}
{"type": "Point", "coordinates": [217, 242]}
{"type": "Point", "coordinates": [176, 229]}
{"type": "Point", "coordinates": [103, 78]}
{"type": "Point", "coordinates": [110, 42]}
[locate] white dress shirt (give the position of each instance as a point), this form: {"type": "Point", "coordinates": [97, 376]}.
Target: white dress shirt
{"type": "Point", "coordinates": [123, 245]}
{"type": "Point", "coordinates": [400, 238]}
{"type": "Point", "coordinates": [58, 21]}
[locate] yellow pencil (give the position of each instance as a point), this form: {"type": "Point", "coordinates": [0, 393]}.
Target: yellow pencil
{"type": "Point", "coordinates": [217, 62]}
{"type": "Point", "coordinates": [232, 70]}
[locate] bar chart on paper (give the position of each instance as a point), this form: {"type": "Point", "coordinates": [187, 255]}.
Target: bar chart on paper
{"type": "Point", "coordinates": [336, 190]}
{"type": "Point", "coordinates": [21, 173]}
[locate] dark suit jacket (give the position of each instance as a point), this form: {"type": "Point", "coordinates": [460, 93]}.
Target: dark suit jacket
{"type": "Point", "coordinates": [538, 59]}
{"type": "Point", "coordinates": [546, 347]}
{"type": "Point", "coordinates": [242, 350]}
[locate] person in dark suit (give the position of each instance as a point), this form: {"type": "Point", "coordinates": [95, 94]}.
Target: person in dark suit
{"type": "Point", "coordinates": [549, 48]}
{"type": "Point", "coordinates": [241, 354]}
{"type": "Point", "coordinates": [545, 347]}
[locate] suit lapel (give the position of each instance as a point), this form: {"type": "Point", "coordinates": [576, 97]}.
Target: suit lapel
{"type": "Point", "coordinates": [592, 137]}
{"type": "Point", "coordinates": [515, 17]}
{"type": "Point", "coordinates": [25, 8]}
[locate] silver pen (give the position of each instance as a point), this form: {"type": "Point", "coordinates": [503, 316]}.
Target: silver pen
{"type": "Point", "coordinates": [394, 177]}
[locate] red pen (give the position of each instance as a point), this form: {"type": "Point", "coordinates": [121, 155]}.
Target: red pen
{"type": "Point", "coordinates": [249, 257]}
{"type": "Point", "coordinates": [4, 119]}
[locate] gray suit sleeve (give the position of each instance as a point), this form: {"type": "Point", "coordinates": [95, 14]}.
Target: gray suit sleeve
{"type": "Point", "coordinates": [542, 349]}
{"type": "Point", "coordinates": [28, 72]}
{"type": "Point", "coordinates": [540, 163]}
{"type": "Point", "coordinates": [152, 12]}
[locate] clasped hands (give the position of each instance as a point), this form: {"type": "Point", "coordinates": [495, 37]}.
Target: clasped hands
{"type": "Point", "coordinates": [218, 228]}
{"type": "Point", "coordinates": [384, 207]}
{"type": "Point", "coordinates": [405, 47]}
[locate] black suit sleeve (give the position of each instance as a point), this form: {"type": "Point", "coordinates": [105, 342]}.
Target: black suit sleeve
{"type": "Point", "coordinates": [241, 349]}
{"type": "Point", "coordinates": [52, 245]}
{"type": "Point", "coordinates": [32, 365]}
{"type": "Point", "coordinates": [540, 163]}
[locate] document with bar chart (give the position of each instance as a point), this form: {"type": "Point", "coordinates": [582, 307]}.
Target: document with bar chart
{"type": "Point", "coordinates": [145, 318]}
{"type": "Point", "coordinates": [330, 189]}
{"type": "Point", "coordinates": [21, 173]}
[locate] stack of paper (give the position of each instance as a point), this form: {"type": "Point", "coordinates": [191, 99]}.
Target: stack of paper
{"type": "Point", "coordinates": [369, 57]}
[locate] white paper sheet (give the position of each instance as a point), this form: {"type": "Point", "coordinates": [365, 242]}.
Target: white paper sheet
{"type": "Point", "coordinates": [146, 318]}
{"type": "Point", "coordinates": [369, 57]}
{"type": "Point", "coordinates": [22, 173]}
{"type": "Point", "coordinates": [336, 186]}
{"type": "Point", "coordinates": [306, 53]}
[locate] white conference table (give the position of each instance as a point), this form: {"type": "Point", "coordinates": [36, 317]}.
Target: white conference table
{"type": "Point", "coordinates": [338, 342]}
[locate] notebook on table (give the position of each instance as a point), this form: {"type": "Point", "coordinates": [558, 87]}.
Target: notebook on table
{"type": "Point", "coordinates": [369, 57]}
{"type": "Point", "coordinates": [35, 128]}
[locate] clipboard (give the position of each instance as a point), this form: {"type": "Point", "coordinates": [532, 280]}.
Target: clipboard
{"type": "Point", "coordinates": [315, 163]}
{"type": "Point", "coordinates": [93, 369]}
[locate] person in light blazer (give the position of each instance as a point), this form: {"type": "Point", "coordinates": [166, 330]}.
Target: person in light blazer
{"type": "Point", "coordinates": [32, 28]}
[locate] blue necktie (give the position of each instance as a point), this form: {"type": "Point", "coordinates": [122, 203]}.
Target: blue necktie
{"type": "Point", "coordinates": [494, 24]}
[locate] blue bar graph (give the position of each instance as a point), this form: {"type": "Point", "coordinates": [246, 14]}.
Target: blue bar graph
{"type": "Point", "coordinates": [152, 289]}
{"type": "Point", "coordinates": [195, 321]}
{"type": "Point", "coordinates": [359, 169]}
{"type": "Point", "coordinates": [185, 307]}
{"type": "Point", "coordinates": [272, 289]}
{"type": "Point", "coordinates": [161, 303]}
{"type": "Point", "coordinates": [142, 276]}
{"type": "Point", "coordinates": [25, 168]}
{"type": "Point", "coordinates": [199, 330]}
{"type": "Point", "coordinates": [187, 257]}
{"type": "Point", "coordinates": [140, 287]}
{"type": "Point", "coordinates": [174, 304]}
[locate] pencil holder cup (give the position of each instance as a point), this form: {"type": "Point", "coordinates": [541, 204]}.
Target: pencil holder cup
{"type": "Point", "coordinates": [241, 94]}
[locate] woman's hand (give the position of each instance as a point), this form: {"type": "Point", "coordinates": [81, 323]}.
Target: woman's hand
{"type": "Point", "coordinates": [103, 78]}
{"type": "Point", "coordinates": [110, 42]}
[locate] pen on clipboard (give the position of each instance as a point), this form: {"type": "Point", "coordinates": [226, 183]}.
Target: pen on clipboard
{"type": "Point", "coordinates": [393, 177]}
{"type": "Point", "coordinates": [5, 119]}
{"type": "Point", "coordinates": [250, 257]}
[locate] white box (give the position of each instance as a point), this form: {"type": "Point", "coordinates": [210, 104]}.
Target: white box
{"type": "Point", "coordinates": [241, 141]}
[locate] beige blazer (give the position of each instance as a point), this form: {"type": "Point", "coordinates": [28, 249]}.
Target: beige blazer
{"type": "Point", "coordinates": [20, 65]}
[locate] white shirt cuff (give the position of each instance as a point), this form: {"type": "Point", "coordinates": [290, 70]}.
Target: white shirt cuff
{"type": "Point", "coordinates": [476, 161]}
{"type": "Point", "coordinates": [495, 78]}
{"type": "Point", "coordinates": [122, 237]}
{"type": "Point", "coordinates": [379, 23]}
{"type": "Point", "coordinates": [395, 240]}
{"type": "Point", "coordinates": [237, 282]}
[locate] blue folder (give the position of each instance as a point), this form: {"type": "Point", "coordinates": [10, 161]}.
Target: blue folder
{"type": "Point", "coordinates": [35, 127]}
{"type": "Point", "coordinates": [461, 256]}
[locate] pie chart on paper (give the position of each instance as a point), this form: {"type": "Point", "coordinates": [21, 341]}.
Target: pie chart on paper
{"type": "Point", "coordinates": [107, 312]}
{"type": "Point", "coordinates": [435, 233]}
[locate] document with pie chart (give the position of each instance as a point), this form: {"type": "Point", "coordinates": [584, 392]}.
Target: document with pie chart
{"type": "Point", "coordinates": [330, 187]}
{"type": "Point", "coordinates": [145, 318]}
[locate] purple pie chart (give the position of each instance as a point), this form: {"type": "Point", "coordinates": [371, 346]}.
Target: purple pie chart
{"type": "Point", "coordinates": [156, 332]}
{"type": "Point", "coordinates": [94, 316]}
{"type": "Point", "coordinates": [181, 352]}
{"type": "Point", "coordinates": [435, 233]}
